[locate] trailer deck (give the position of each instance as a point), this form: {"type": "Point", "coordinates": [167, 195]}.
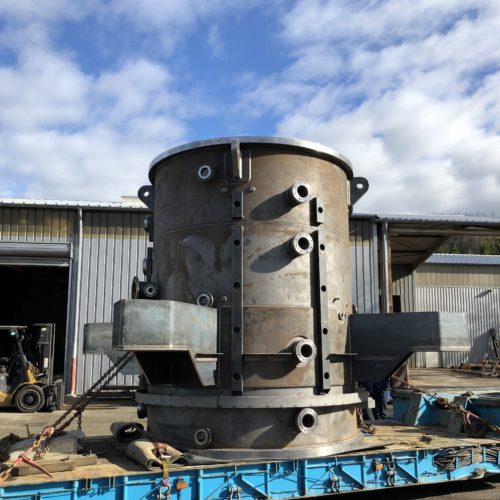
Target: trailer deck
{"type": "Point", "coordinates": [398, 455]}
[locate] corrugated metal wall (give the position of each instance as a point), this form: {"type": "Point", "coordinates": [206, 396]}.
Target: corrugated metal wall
{"type": "Point", "coordinates": [403, 284]}
{"type": "Point", "coordinates": [364, 265]}
{"type": "Point", "coordinates": [458, 275]}
{"type": "Point", "coordinates": [37, 225]}
{"type": "Point", "coordinates": [114, 245]}
{"type": "Point", "coordinates": [482, 306]}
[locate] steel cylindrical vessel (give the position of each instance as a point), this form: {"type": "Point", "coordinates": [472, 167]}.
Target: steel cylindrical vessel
{"type": "Point", "coordinates": [257, 228]}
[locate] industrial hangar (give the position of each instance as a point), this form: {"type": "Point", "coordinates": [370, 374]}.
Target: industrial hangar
{"type": "Point", "coordinates": [67, 262]}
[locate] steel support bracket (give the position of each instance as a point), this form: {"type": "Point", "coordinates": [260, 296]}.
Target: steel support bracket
{"type": "Point", "coordinates": [238, 164]}
{"type": "Point", "coordinates": [358, 187]}
{"type": "Point", "coordinates": [147, 195]}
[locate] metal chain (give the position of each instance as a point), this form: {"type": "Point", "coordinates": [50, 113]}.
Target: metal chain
{"type": "Point", "coordinates": [92, 392]}
{"type": "Point", "coordinates": [457, 409]}
{"type": "Point", "coordinates": [366, 428]}
{"type": "Point", "coordinates": [78, 407]}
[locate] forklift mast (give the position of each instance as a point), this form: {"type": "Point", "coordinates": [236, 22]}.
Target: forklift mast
{"type": "Point", "coordinates": [43, 334]}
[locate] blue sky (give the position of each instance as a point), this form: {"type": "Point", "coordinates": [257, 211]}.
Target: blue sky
{"type": "Point", "coordinates": [91, 91]}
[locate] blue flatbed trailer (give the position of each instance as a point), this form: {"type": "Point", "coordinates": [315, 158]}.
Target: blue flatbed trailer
{"type": "Point", "coordinates": [396, 456]}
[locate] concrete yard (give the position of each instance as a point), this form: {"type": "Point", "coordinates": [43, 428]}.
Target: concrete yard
{"type": "Point", "coordinates": [96, 418]}
{"type": "Point", "coordinates": [443, 378]}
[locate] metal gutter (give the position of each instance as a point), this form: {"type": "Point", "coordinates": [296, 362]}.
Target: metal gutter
{"type": "Point", "coordinates": [78, 283]}
{"type": "Point", "coordinates": [70, 204]}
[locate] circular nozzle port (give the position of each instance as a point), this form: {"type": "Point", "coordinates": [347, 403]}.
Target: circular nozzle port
{"type": "Point", "coordinates": [300, 192]}
{"type": "Point", "coordinates": [143, 289]}
{"type": "Point", "coordinates": [205, 299]}
{"type": "Point", "coordinates": [202, 437]}
{"type": "Point", "coordinates": [205, 173]}
{"type": "Point", "coordinates": [306, 420]}
{"type": "Point", "coordinates": [304, 351]}
{"type": "Point", "coordinates": [301, 244]}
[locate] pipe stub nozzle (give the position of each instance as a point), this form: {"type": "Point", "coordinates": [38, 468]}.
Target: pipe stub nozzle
{"type": "Point", "coordinates": [205, 173]}
{"type": "Point", "coordinates": [202, 437]}
{"type": "Point", "coordinates": [143, 289]}
{"type": "Point", "coordinates": [300, 192]}
{"type": "Point", "coordinates": [304, 351]}
{"type": "Point", "coordinates": [301, 244]}
{"type": "Point", "coordinates": [306, 420]}
{"type": "Point", "coordinates": [205, 299]}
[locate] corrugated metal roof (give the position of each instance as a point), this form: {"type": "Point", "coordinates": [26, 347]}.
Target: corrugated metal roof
{"type": "Point", "coordinates": [438, 218]}
{"type": "Point", "coordinates": [464, 259]}
{"type": "Point", "coordinates": [33, 202]}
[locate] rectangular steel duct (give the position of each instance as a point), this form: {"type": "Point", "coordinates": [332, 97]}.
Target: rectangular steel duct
{"type": "Point", "coordinates": [380, 343]}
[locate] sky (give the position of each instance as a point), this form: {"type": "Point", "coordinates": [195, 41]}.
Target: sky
{"type": "Point", "coordinates": [91, 91]}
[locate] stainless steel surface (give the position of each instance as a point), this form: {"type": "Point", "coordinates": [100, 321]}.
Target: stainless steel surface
{"type": "Point", "coordinates": [266, 236]}
{"type": "Point", "coordinates": [265, 399]}
{"type": "Point", "coordinates": [97, 339]}
{"type": "Point", "coordinates": [291, 144]}
{"type": "Point", "coordinates": [186, 333]}
{"type": "Point", "coordinates": [155, 325]}
{"type": "Point", "coordinates": [382, 342]}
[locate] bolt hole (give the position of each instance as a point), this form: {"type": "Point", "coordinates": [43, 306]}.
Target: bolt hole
{"type": "Point", "coordinates": [203, 301]}
{"type": "Point", "coordinates": [302, 191]}
{"type": "Point", "coordinates": [322, 247]}
{"type": "Point", "coordinates": [145, 194]}
{"type": "Point", "coordinates": [323, 288]}
{"type": "Point", "coordinates": [236, 376]}
{"type": "Point", "coordinates": [360, 186]}
{"type": "Point", "coordinates": [308, 421]}
{"type": "Point", "coordinates": [236, 285]}
{"type": "Point", "coordinates": [325, 331]}
{"type": "Point", "coordinates": [236, 329]}
{"type": "Point", "coordinates": [326, 375]}
{"type": "Point", "coordinates": [237, 204]}
{"type": "Point", "coordinates": [236, 243]}
{"type": "Point", "coordinates": [320, 210]}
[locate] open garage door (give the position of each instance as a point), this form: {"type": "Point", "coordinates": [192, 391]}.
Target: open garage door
{"type": "Point", "coordinates": [35, 254]}
{"type": "Point", "coordinates": [34, 279]}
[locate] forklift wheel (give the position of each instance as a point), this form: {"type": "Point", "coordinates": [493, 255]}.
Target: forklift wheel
{"type": "Point", "coordinates": [29, 399]}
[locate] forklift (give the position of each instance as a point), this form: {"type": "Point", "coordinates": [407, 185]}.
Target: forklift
{"type": "Point", "coordinates": [27, 368]}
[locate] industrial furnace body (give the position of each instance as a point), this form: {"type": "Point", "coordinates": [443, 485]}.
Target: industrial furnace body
{"type": "Point", "coordinates": [242, 329]}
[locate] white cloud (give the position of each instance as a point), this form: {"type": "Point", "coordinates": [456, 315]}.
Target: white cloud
{"type": "Point", "coordinates": [66, 134]}
{"type": "Point", "coordinates": [407, 90]}
{"type": "Point", "coordinates": [214, 41]}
